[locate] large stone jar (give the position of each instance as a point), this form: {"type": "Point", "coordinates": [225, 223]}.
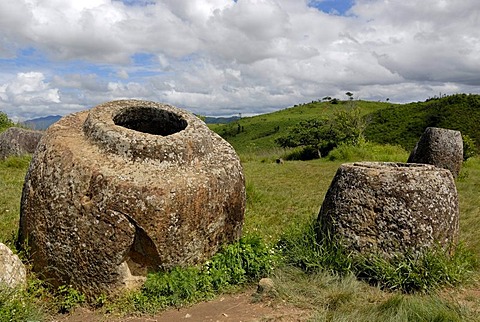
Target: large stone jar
{"type": "Point", "coordinates": [390, 208]}
{"type": "Point", "coordinates": [125, 188]}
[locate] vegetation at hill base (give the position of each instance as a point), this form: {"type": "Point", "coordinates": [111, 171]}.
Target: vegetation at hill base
{"type": "Point", "coordinates": [279, 238]}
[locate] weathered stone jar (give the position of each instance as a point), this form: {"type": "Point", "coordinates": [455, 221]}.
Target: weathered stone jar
{"type": "Point", "coordinates": [442, 148]}
{"type": "Point", "coordinates": [127, 187]}
{"type": "Point", "coordinates": [387, 208]}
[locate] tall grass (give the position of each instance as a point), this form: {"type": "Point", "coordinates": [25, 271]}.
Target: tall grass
{"type": "Point", "coordinates": [343, 299]}
{"type": "Point", "coordinates": [408, 273]}
{"type": "Point", "coordinates": [368, 152]}
{"type": "Point", "coordinates": [12, 175]}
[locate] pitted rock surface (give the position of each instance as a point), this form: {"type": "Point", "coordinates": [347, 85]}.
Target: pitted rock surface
{"type": "Point", "coordinates": [16, 141]}
{"type": "Point", "coordinates": [12, 270]}
{"type": "Point", "coordinates": [125, 188]}
{"type": "Point", "coordinates": [440, 147]}
{"type": "Point", "coordinates": [387, 208]}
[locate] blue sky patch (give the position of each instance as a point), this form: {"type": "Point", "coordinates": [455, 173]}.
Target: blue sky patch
{"type": "Point", "coordinates": [336, 7]}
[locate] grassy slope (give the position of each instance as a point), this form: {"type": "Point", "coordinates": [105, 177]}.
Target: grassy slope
{"type": "Point", "coordinates": [258, 133]}
{"type": "Point", "coordinates": [396, 124]}
{"type": "Point", "coordinates": [404, 124]}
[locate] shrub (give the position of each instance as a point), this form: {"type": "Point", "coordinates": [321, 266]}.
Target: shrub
{"type": "Point", "coordinates": [469, 147]}
{"type": "Point", "coordinates": [5, 122]}
{"type": "Point", "coordinates": [368, 152]}
{"type": "Point", "coordinates": [303, 154]}
{"type": "Point", "coordinates": [68, 298]}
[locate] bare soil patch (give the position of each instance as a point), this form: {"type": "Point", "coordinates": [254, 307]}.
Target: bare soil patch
{"type": "Point", "coordinates": [225, 308]}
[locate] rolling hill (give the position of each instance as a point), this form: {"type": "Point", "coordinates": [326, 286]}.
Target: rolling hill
{"type": "Point", "coordinates": [395, 124]}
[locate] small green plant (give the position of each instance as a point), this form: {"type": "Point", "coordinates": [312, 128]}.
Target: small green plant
{"type": "Point", "coordinates": [68, 298]}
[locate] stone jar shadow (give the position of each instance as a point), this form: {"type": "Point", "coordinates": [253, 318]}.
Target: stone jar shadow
{"type": "Point", "coordinates": [126, 188]}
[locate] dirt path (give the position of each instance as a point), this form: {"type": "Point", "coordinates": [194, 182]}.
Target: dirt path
{"type": "Point", "coordinates": [226, 308]}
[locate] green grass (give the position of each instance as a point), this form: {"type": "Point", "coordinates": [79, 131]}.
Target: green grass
{"type": "Point", "coordinates": [279, 195]}
{"type": "Point", "coordinates": [368, 152]}
{"type": "Point", "coordinates": [18, 305]}
{"type": "Point", "coordinates": [12, 175]}
{"type": "Point", "coordinates": [468, 186]}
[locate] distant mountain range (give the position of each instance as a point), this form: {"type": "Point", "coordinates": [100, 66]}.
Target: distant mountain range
{"type": "Point", "coordinates": [42, 123]}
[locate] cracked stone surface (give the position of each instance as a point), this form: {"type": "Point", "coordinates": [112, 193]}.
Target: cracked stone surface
{"type": "Point", "coordinates": [126, 188]}
{"type": "Point", "coordinates": [386, 208]}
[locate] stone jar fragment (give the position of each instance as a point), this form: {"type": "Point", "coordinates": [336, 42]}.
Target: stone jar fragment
{"type": "Point", "coordinates": [440, 147]}
{"type": "Point", "coordinates": [126, 188]}
{"type": "Point", "coordinates": [387, 208]}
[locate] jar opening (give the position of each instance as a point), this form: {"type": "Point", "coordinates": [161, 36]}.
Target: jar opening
{"type": "Point", "coordinates": [150, 120]}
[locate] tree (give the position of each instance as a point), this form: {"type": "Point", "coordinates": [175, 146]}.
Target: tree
{"type": "Point", "coordinates": [313, 134]}
{"type": "Point", "coordinates": [350, 95]}
{"type": "Point", "coordinates": [350, 126]}
{"type": "Point", "coordinates": [5, 122]}
{"type": "Point", "coordinates": [323, 135]}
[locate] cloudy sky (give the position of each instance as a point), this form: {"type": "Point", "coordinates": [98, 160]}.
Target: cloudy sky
{"type": "Point", "coordinates": [224, 57]}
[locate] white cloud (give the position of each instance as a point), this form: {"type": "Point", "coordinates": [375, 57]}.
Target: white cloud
{"type": "Point", "coordinates": [221, 56]}
{"type": "Point", "coordinates": [29, 88]}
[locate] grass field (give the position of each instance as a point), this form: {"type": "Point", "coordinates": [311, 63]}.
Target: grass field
{"type": "Point", "coordinates": [282, 196]}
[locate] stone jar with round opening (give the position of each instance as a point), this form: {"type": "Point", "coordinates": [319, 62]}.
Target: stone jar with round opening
{"type": "Point", "coordinates": [126, 188]}
{"type": "Point", "coordinates": [390, 208]}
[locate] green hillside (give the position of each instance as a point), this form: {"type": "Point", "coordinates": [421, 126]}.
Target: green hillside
{"type": "Point", "coordinates": [404, 124]}
{"type": "Point", "coordinates": [257, 134]}
{"type": "Point", "coordinates": [396, 124]}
